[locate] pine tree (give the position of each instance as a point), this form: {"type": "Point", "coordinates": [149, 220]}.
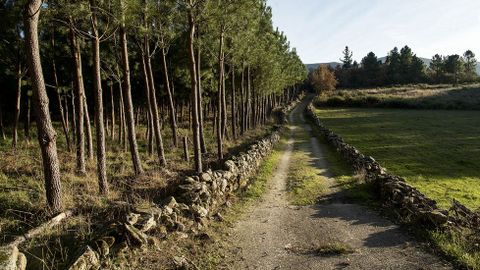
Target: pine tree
{"type": "Point", "coordinates": [45, 130]}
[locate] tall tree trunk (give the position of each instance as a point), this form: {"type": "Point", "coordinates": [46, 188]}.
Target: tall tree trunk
{"type": "Point", "coordinates": [59, 100]}
{"type": "Point", "coordinates": [98, 99]}
{"type": "Point", "coordinates": [17, 105]}
{"type": "Point", "coordinates": [242, 101]}
{"type": "Point", "coordinates": [194, 99]}
{"type": "Point", "coordinates": [46, 132]}
{"type": "Point", "coordinates": [2, 129]}
{"type": "Point", "coordinates": [203, 145]}
{"type": "Point", "coordinates": [221, 74]}
{"type": "Point", "coordinates": [233, 106]}
{"type": "Point", "coordinates": [88, 128]}
{"type": "Point", "coordinates": [112, 112]}
{"type": "Point", "coordinates": [173, 120]}
{"type": "Point", "coordinates": [74, 115]}
{"type": "Point", "coordinates": [149, 107]}
{"type": "Point", "coordinates": [27, 119]}
{"type": "Point", "coordinates": [128, 104]}
{"type": "Point", "coordinates": [224, 102]}
{"type": "Point", "coordinates": [249, 101]}
{"type": "Point", "coordinates": [121, 123]}
{"type": "Point", "coordinates": [154, 106]}
{"type": "Point", "coordinates": [79, 99]}
{"type": "Point", "coordinates": [64, 100]}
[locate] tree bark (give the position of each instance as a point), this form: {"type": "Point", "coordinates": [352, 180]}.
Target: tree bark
{"type": "Point", "coordinates": [17, 105]}
{"type": "Point", "coordinates": [45, 131]}
{"type": "Point", "coordinates": [149, 107]}
{"type": "Point", "coordinates": [220, 122]}
{"type": "Point", "coordinates": [224, 101]}
{"type": "Point", "coordinates": [203, 146]}
{"type": "Point", "coordinates": [59, 98]}
{"type": "Point", "coordinates": [27, 120]}
{"type": "Point", "coordinates": [154, 106]}
{"type": "Point", "coordinates": [78, 108]}
{"type": "Point", "coordinates": [98, 99]}
{"type": "Point", "coordinates": [121, 122]}
{"type": "Point", "coordinates": [128, 104]}
{"type": "Point", "coordinates": [185, 149]}
{"type": "Point", "coordinates": [242, 102]}
{"type": "Point", "coordinates": [173, 120]}
{"type": "Point", "coordinates": [194, 99]}
{"type": "Point", "coordinates": [249, 101]}
{"type": "Point", "coordinates": [233, 106]}
{"type": "Point", "coordinates": [2, 129]}
{"type": "Point", "coordinates": [74, 121]}
{"type": "Point", "coordinates": [112, 112]}
{"type": "Point", "coordinates": [88, 128]}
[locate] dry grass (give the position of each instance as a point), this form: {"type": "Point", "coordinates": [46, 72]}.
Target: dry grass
{"type": "Point", "coordinates": [409, 96]}
{"type": "Point", "coordinates": [22, 195]}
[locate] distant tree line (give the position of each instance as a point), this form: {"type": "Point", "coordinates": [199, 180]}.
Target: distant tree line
{"type": "Point", "coordinates": [404, 67]}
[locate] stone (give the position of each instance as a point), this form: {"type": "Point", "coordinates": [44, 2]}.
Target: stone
{"type": "Point", "coordinates": [170, 202]}
{"type": "Point", "coordinates": [147, 224]}
{"type": "Point", "coordinates": [223, 185]}
{"type": "Point", "coordinates": [9, 257]}
{"type": "Point", "coordinates": [199, 211]}
{"type": "Point", "coordinates": [206, 177]}
{"type": "Point", "coordinates": [181, 235]}
{"type": "Point", "coordinates": [437, 217]}
{"type": "Point", "coordinates": [21, 261]}
{"type": "Point", "coordinates": [180, 226]}
{"type": "Point", "coordinates": [168, 222]}
{"type": "Point", "coordinates": [182, 208]}
{"type": "Point", "coordinates": [167, 211]}
{"type": "Point", "coordinates": [103, 248]}
{"type": "Point", "coordinates": [181, 263]}
{"type": "Point", "coordinates": [132, 218]}
{"type": "Point", "coordinates": [135, 236]}
{"type": "Point", "coordinates": [87, 260]}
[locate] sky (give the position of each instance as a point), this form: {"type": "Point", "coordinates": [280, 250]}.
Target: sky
{"type": "Point", "coordinates": [320, 29]}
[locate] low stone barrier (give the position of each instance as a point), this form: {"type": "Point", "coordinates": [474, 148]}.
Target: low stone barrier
{"type": "Point", "coordinates": [199, 198]}
{"type": "Point", "coordinates": [409, 203]}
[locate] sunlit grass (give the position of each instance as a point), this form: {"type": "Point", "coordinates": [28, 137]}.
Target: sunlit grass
{"type": "Point", "coordinates": [435, 150]}
{"type": "Point", "coordinates": [455, 244]}
{"type": "Point", "coordinates": [305, 181]}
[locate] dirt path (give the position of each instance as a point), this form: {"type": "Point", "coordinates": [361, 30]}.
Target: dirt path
{"type": "Point", "coordinates": [277, 235]}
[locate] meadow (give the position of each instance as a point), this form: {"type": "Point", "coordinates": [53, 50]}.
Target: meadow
{"type": "Point", "coordinates": [417, 96]}
{"type": "Point", "coordinates": [437, 151]}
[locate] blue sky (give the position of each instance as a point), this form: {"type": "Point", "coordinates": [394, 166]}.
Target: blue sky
{"type": "Point", "coordinates": [320, 29]}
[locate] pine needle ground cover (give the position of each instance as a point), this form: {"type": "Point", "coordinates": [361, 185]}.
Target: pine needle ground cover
{"type": "Point", "coordinates": [437, 151]}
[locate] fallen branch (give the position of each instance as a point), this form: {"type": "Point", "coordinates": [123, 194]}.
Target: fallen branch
{"type": "Point", "coordinates": [38, 230]}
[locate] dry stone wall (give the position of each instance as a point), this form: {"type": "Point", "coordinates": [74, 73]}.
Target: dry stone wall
{"type": "Point", "coordinates": [410, 204]}
{"type": "Point", "coordinates": [198, 199]}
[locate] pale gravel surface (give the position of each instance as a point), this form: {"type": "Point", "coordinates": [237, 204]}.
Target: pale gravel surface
{"type": "Point", "coordinates": [277, 235]}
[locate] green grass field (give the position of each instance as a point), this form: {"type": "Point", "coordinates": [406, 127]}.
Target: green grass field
{"type": "Point", "coordinates": [437, 151]}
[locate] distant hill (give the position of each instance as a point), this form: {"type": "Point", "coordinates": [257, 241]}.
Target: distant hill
{"type": "Point", "coordinates": [426, 61]}
{"type": "Point", "coordinates": [314, 66]}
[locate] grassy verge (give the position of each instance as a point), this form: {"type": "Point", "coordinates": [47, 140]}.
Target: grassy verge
{"type": "Point", "coordinates": [305, 181]}
{"type": "Point", "coordinates": [408, 96]}
{"type": "Point", "coordinates": [415, 158]}
{"type": "Point", "coordinates": [457, 245]}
